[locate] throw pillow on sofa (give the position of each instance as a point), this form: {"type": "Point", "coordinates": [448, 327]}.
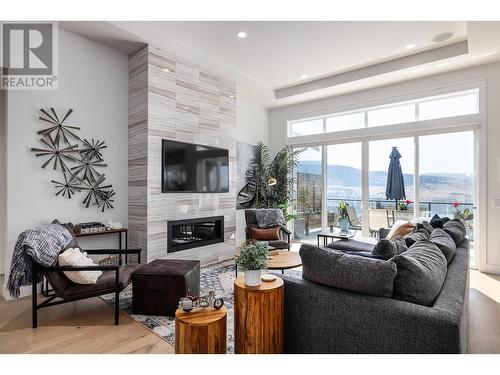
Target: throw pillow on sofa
{"type": "Point", "coordinates": [415, 236]}
{"type": "Point", "coordinates": [436, 221]}
{"type": "Point", "coordinates": [349, 272]}
{"type": "Point", "coordinates": [74, 257]}
{"type": "Point", "coordinates": [421, 273]}
{"type": "Point", "coordinates": [268, 234]}
{"type": "Point", "coordinates": [388, 248]}
{"type": "Point", "coordinates": [444, 242]}
{"type": "Point", "coordinates": [425, 226]}
{"type": "Point", "coordinates": [400, 228]}
{"type": "Point", "coordinates": [456, 229]}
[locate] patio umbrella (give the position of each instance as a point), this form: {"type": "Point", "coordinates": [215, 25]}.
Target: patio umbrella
{"type": "Point", "coordinates": [395, 188]}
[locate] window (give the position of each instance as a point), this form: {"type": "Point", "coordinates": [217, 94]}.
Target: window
{"type": "Point", "coordinates": [449, 105]}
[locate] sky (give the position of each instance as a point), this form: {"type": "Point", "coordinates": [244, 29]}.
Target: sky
{"type": "Point", "coordinates": [442, 153]}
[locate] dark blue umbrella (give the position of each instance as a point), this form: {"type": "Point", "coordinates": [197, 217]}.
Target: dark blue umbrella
{"type": "Point", "coordinates": [395, 188]}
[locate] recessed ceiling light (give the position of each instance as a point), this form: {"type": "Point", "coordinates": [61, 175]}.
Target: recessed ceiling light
{"type": "Point", "coordinates": [166, 70]}
{"type": "Point", "coordinates": [410, 46]}
{"type": "Point", "coordinates": [442, 37]}
{"type": "Point", "coordinates": [304, 76]}
{"type": "Point", "coordinates": [241, 34]}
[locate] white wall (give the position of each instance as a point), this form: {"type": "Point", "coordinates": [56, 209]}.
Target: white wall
{"type": "Point", "coordinates": [252, 125]}
{"type": "Point", "coordinates": [3, 180]}
{"type": "Point", "coordinates": [490, 73]}
{"type": "Point", "coordinates": [93, 80]}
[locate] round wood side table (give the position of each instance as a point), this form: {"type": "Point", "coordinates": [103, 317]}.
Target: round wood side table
{"type": "Point", "coordinates": [258, 317]}
{"type": "Point", "coordinates": [201, 331]}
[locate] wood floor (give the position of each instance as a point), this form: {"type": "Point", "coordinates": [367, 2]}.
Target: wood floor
{"type": "Point", "coordinates": [87, 326]}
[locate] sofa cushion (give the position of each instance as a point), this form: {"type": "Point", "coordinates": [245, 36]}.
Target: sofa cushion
{"type": "Point", "coordinates": [444, 242]}
{"type": "Point", "coordinates": [456, 229]}
{"type": "Point", "coordinates": [344, 271]}
{"type": "Point", "coordinates": [388, 248]}
{"type": "Point", "coordinates": [421, 273]}
{"type": "Point", "coordinates": [416, 235]}
{"type": "Point", "coordinates": [425, 226]}
{"type": "Point", "coordinates": [267, 234]}
{"type": "Point", "coordinates": [436, 221]}
{"type": "Point", "coordinates": [351, 245]}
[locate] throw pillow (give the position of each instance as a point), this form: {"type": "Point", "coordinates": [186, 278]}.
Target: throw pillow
{"type": "Point", "coordinates": [354, 273]}
{"type": "Point", "coordinates": [421, 273]}
{"type": "Point", "coordinates": [416, 235]}
{"type": "Point", "coordinates": [436, 221]}
{"type": "Point", "coordinates": [268, 234]}
{"type": "Point", "coordinates": [400, 228]}
{"type": "Point", "coordinates": [444, 242]}
{"type": "Point", "coordinates": [456, 229]}
{"type": "Point", "coordinates": [388, 248]}
{"type": "Point", "coordinates": [74, 257]}
{"type": "Point", "coordinates": [445, 219]}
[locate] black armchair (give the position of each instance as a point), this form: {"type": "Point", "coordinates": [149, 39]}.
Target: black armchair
{"type": "Point", "coordinates": [115, 278]}
{"type": "Point", "coordinates": [285, 234]}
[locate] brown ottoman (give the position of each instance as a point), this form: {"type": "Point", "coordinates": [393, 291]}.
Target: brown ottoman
{"type": "Point", "coordinates": [158, 286]}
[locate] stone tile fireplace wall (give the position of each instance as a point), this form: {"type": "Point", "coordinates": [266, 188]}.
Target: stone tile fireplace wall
{"type": "Point", "coordinates": [172, 99]}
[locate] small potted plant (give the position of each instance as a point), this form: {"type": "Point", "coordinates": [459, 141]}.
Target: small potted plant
{"type": "Point", "coordinates": [343, 217]}
{"type": "Point", "coordinates": [403, 206]}
{"type": "Point", "coordinates": [252, 258]}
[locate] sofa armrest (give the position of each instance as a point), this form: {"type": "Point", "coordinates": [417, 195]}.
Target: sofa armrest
{"type": "Point", "coordinates": [321, 319]}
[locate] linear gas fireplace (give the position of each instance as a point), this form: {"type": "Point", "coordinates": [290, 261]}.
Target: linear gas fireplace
{"type": "Point", "coordinates": [186, 234]}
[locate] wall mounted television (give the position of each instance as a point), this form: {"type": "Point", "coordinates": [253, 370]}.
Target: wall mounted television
{"type": "Point", "coordinates": [192, 168]}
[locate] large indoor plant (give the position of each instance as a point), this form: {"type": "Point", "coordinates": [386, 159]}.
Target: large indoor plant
{"type": "Point", "coordinates": [252, 258]}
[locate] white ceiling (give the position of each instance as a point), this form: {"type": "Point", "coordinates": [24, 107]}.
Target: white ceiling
{"type": "Point", "coordinates": [276, 53]}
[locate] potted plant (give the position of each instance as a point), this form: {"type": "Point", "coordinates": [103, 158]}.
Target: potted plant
{"type": "Point", "coordinates": [403, 206]}
{"type": "Point", "coordinates": [252, 258]}
{"type": "Point", "coordinates": [343, 217]}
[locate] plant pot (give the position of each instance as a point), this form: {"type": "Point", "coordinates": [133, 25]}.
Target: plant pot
{"type": "Point", "coordinates": [344, 225]}
{"type": "Point", "coordinates": [252, 278]}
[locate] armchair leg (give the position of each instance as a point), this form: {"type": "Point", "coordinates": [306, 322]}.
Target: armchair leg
{"type": "Point", "coordinates": [117, 298]}
{"type": "Point", "coordinates": [34, 308]}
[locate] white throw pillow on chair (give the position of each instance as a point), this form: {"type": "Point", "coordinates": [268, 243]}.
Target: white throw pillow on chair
{"type": "Point", "coordinates": [75, 257]}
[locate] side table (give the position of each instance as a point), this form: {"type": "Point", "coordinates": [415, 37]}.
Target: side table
{"type": "Point", "coordinates": [201, 331]}
{"type": "Point", "coordinates": [258, 317]}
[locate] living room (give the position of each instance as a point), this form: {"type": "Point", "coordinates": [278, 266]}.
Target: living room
{"type": "Point", "coordinates": [165, 189]}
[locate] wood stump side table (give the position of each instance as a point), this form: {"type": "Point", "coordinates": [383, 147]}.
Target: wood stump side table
{"type": "Point", "coordinates": [258, 317]}
{"type": "Point", "coordinates": [201, 331]}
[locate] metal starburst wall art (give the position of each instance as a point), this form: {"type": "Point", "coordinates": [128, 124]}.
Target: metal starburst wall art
{"type": "Point", "coordinates": [81, 165]}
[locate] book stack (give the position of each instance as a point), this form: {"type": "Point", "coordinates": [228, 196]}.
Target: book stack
{"type": "Point", "coordinates": [89, 228]}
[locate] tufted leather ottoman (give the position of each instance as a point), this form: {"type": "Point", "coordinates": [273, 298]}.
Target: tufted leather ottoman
{"type": "Point", "coordinates": [158, 286]}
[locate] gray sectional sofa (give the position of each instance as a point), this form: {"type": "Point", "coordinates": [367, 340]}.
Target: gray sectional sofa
{"type": "Point", "coordinates": [321, 318]}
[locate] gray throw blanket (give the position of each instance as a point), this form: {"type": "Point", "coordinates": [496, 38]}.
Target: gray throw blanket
{"type": "Point", "coordinates": [269, 217]}
{"type": "Point", "coordinates": [42, 244]}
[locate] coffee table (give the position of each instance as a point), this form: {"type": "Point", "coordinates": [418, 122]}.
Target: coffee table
{"type": "Point", "coordinates": [284, 260]}
{"type": "Point", "coordinates": [335, 235]}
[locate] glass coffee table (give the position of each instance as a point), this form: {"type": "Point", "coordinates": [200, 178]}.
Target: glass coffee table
{"type": "Point", "coordinates": [336, 234]}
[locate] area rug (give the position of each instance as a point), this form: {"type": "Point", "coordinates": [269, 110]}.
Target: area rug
{"type": "Point", "coordinates": [215, 276]}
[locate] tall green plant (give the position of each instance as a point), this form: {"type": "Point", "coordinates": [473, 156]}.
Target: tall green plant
{"type": "Point", "coordinates": [281, 168]}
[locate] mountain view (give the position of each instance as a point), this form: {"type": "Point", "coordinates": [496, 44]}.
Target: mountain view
{"type": "Point", "coordinates": [345, 182]}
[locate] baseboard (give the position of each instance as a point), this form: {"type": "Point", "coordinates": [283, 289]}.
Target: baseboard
{"type": "Point", "coordinates": [493, 268]}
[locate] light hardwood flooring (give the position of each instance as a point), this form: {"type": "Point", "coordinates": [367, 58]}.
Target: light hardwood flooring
{"type": "Point", "coordinates": [87, 326]}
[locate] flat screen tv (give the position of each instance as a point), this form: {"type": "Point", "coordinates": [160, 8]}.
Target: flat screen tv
{"type": "Point", "coordinates": [192, 168]}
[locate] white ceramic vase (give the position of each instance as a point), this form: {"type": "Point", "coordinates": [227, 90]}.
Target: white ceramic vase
{"type": "Point", "coordinates": [252, 278]}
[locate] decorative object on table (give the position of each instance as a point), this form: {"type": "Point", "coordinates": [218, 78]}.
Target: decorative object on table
{"type": "Point", "coordinates": [252, 258]}
{"type": "Point", "coordinates": [395, 188]}
{"type": "Point", "coordinates": [62, 150]}
{"type": "Point", "coordinates": [90, 227]}
{"type": "Point", "coordinates": [403, 206]}
{"type": "Point", "coordinates": [207, 300]}
{"type": "Point", "coordinates": [343, 217]}
{"type": "Point", "coordinates": [267, 277]}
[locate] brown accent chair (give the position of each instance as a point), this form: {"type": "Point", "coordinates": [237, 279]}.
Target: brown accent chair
{"type": "Point", "coordinates": [251, 222]}
{"type": "Point", "coordinates": [114, 279]}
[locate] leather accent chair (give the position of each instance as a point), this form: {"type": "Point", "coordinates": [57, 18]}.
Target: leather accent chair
{"type": "Point", "coordinates": [251, 222]}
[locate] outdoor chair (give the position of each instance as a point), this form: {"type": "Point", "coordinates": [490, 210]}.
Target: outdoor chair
{"type": "Point", "coordinates": [114, 279]}
{"type": "Point", "coordinates": [354, 221]}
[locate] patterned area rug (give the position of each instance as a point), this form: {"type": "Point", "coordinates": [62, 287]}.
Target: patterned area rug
{"type": "Point", "coordinates": [216, 276]}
